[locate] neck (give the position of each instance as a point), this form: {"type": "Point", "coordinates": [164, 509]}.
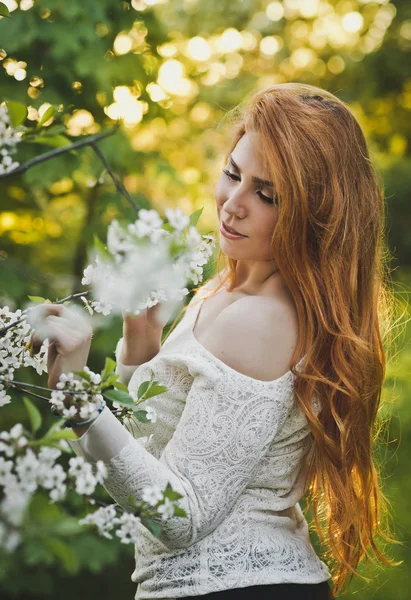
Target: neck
{"type": "Point", "coordinates": [252, 280]}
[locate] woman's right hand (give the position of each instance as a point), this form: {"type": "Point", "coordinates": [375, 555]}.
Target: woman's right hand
{"type": "Point", "coordinates": [142, 334]}
{"type": "Point", "coordinates": [146, 323]}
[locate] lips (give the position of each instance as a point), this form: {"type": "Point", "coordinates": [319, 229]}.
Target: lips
{"type": "Point", "coordinates": [231, 230]}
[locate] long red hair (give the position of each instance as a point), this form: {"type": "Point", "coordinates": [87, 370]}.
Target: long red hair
{"type": "Point", "coordinates": [329, 246]}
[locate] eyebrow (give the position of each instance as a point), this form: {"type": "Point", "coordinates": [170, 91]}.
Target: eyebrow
{"type": "Point", "coordinates": [264, 182]}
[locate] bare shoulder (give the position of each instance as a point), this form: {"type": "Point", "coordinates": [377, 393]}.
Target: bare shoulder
{"type": "Point", "coordinates": [256, 336]}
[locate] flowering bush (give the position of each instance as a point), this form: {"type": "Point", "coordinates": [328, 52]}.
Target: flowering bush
{"type": "Point", "coordinates": [28, 464]}
{"type": "Point", "coordinates": [143, 263]}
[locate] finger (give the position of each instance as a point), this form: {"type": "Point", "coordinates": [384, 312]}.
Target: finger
{"type": "Point", "coordinates": [36, 342]}
{"type": "Point", "coordinates": [66, 338]}
{"type": "Point", "coordinates": [51, 355]}
{"type": "Point", "coordinates": [72, 322]}
{"type": "Point", "coordinates": [54, 309]}
{"type": "Point", "coordinates": [164, 311]}
{"type": "Point", "coordinates": [37, 314]}
{"type": "Point", "coordinates": [39, 320]}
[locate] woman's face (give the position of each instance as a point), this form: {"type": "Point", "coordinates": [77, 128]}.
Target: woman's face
{"type": "Point", "coordinates": [244, 199]}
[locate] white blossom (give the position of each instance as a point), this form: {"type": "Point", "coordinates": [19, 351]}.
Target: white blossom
{"type": "Point", "coordinates": [177, 218]}
{"type": "Point", "coordinates": [166, 509]}
{"type": "Point", "coordinates": [69, 413]}
{"type": "Point", "coordinates": [85, 482]}
{"type": "Point", "coordinates": [151, 414]}
{"type": "Point", "coordinates": [7, 449]}
{"type": "Point", "coordinates": [9, 138]}
{"type": "Point", "coordinates": [152, 495]}
{"type": "Point", "coordinates": [101, 471]}
{"type": "Point", "coordinates": [150, 217]}
{"type": "Point", "coordinates": [102, 307]}
{"type": "Point", "coordinates": [54, 477]}
{"type": "Point", "coordinates": [89, 410]}
{"type": "Point", "coordinates": [128, 532]}
{"type": "Point", "coordinates": [146, 264]}
{"type": "Point", "coordinates": [88, 275]}
{"type": "Point", "coordinates": [58, 493]}
{"type": "Point", "coordinates": [76, 465]}
{"type": "Point", "coordinates": [16, 431]}
{"type": "Point", "coordinates": [9, 539]}
{"type": "Point", "coordinates": [27, 470]}
{"type": "Point", "coordinates": [103, 518]}
{"type": "Point", "coordinates": [86, 301]}
{"type": "Point", "coordinates": [5, 469]}
{"type": "Point", "coordinates": [48, 455]}
{"type": "Point", "coordinates": [14, 352]}
{"type": "Point", "coordinates": [4, 398]}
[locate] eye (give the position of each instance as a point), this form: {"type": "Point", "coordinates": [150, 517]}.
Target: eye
{"type": "Point", "coordinates": [267, 199]}
{"type": "Point", "coordinates": [263, 197]}
{"type": "Point", "coordinates": [231, 175]}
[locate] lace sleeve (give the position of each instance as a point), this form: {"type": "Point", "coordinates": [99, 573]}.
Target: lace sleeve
{"type": "Point", "coordinates": [124, 372]}
{"type": "Point", "coordinates": [227, 425]}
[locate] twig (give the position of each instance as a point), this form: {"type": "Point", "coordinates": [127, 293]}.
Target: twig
{"type": "Point", "coordinates": [32, 385]}
{"type": "Point", "coordinates": [18, 385]}
{"type": "Point", "coordinates": [21, 389]}
{"type": "Point", "coordinates": [119, 186]}
{"type": "Point", "coordinates": [3, 330]}
{"type": "Point", "coordinates": [70, 297]}
{"type": "Point", "coordinates": [92, 139]}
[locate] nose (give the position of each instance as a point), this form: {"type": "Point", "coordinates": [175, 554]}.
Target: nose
{"type": "Point", "coordinates": [235, 203]}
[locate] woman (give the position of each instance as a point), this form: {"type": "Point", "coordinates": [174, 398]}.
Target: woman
{"type": "Point", "coordinates": [274, 378]}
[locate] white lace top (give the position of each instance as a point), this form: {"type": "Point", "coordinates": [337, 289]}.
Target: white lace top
{"type": "Point", "coordinates": [235, 448]}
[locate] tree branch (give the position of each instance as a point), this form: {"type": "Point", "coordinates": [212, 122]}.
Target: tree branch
{"type": "Point", "coordinates": [119, 186]}
{"type": "Point", "coordinates": [88, 141]}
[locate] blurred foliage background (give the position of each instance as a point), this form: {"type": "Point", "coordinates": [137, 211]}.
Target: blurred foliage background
{"type": "Point", "coordinates": [172, 69]}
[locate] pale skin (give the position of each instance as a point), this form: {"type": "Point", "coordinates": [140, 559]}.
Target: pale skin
{"type": "Point", "coordinates": [253, 329]}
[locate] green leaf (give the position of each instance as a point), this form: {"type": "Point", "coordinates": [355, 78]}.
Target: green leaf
{"type": "Point", "coordinates": [64, 553]}
{"type": "Point", "coordinates": [167, 227]}
{"type": "Point", "coordinates": [111, 381]}
{"type": "Point", "coordinates": [51, 438]}
{"type": "Point", "coordinates": [171, 494]}
{"type": "Point", "coordinates": [155, 390]}
{"type": "Point", "coordinates": [56, 141]}
{"type": "Point", "coordinates": [143, 387]}
{"type": "Point", "coordinates": [4, 11]}
{"type": "Point", "coordinates": [179, 512]}
{"type": "Point", "coordinates": [47, 115]}
{"type": "Point", "coordinates": [109, 367]}
{"type": "Point", "coordinates": [142, 416]}
{"type": "Point", "coordinates": [132, 502]}
{"type": "Point", "coordinates": [54, 129]}
{"type": "Point", "coordinates": [37, 299]}
{"type": "Point", "coordinates": [120, 386]}
{"type": "Point", "coordinates": [151, 525]}
{"type": "Point", "coordinates": [17, 112]}
{"type": "Point", "coordinates": [34, 414]}
{"type": "Point", "coordinates": [83, 374]}
{"type": "Point", "coordinates": [194, 217]}
{"type": "Point", "coordinates": [121, 397]}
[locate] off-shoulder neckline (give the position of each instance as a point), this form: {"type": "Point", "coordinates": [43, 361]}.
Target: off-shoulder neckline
{"type": "Point", "coordinates": [191, 327]}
